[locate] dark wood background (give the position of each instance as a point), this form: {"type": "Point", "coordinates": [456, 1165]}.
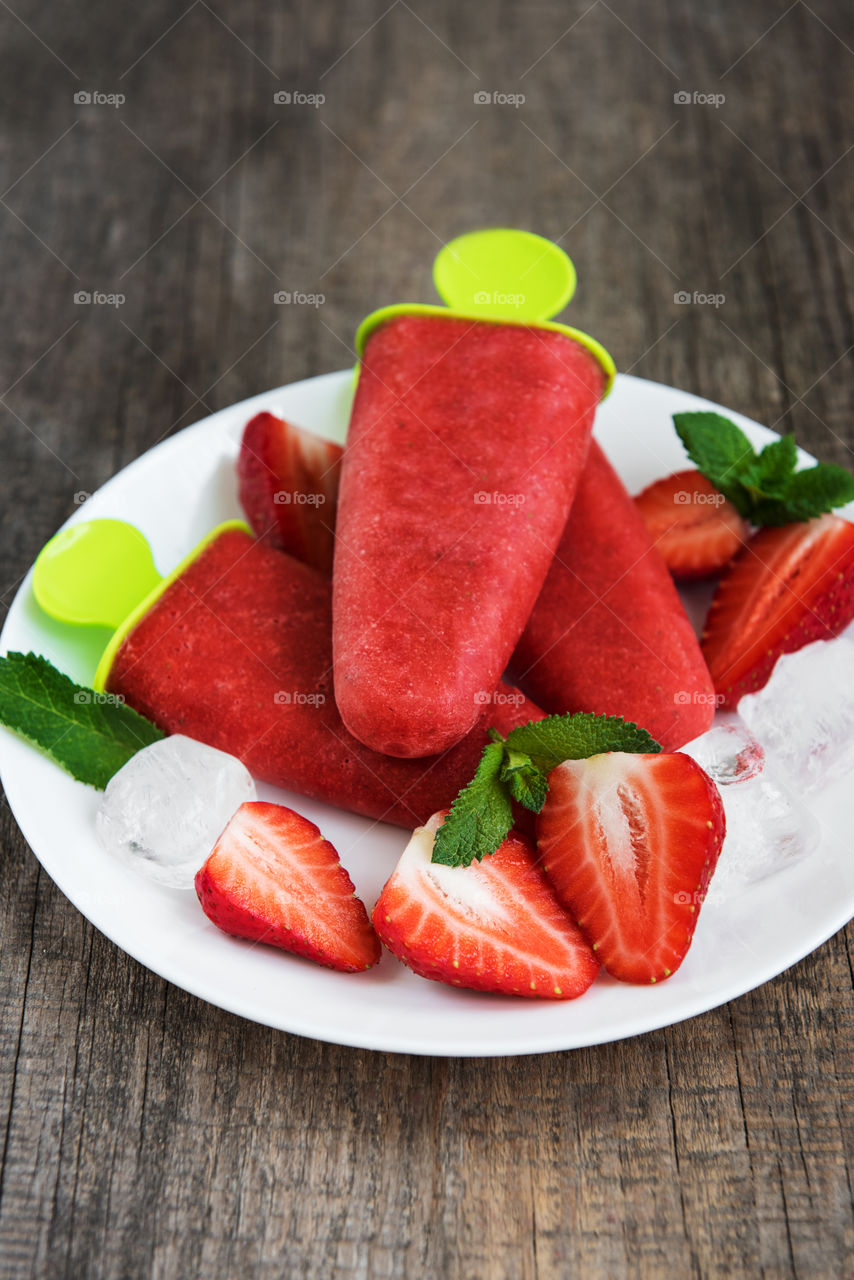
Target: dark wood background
{"type": "Point", "coordinates": [147, 1134]}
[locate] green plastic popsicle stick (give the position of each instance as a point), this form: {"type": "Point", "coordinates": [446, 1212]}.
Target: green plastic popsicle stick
{"type": "Point", "coordinates": [503, 274]}
{"type": "Point", "coordinates": [101, 573]}
{"type": "Point", "coordinates": [95, 573]}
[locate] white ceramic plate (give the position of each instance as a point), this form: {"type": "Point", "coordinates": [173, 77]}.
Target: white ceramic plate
{"type": "Point", "coordinates": [175, 493]}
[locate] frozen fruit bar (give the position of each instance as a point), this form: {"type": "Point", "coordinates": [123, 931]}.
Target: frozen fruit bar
{"type": "Point", "coordinates": [236, 652]}
{"type": "Point", "coordinates": [466, 442]}
{"type": "Point", "coordinates": [608, 633]}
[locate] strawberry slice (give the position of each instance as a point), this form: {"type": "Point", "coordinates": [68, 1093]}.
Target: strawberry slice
{"type": "Point", "coordinates": [273, 878]}
{"type": "Point", "coordinates": [694, 527]}
{"type": "Point", "coordinates": [789, 586]}
{"type": "Point", "coordinates": [288, 487]}
{"type": "Point", "coordinates": [629, 843]}
{"type": "Point", "coordinates": [492, 926]}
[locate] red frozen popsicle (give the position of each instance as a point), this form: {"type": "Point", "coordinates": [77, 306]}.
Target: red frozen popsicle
{"type": "Point", "coordinates": [466, 442]}
{"type": "Point", "coordinates": [236, 652]}
{"type": "Point", "coordinates": [608, 633]}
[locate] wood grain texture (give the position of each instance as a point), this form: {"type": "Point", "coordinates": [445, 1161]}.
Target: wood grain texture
{"type": "Point", "coordinates": [142, 1132]}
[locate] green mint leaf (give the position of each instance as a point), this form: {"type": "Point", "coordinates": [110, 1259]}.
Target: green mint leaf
{"type": "Point", "coordinates": [480, 817]}
{"type": "Point", "coordinates": [575, 737]}
{"type": "Point", "coordinates": [803, 495]}
{"type": "Point", "coordinates": [776, 464]}
{"type": "Point", "coordinates": [765, 488]}
{"type": "Point", "coordinates": [719, 449]}
{"type": "Point", "coordinates": [91, 735]}
{"type": "Point", "coordinates": [528, 784]}
{"type": "Point", "coordinates": [818, 489]}
{"type": "Point", "coordinates": [770, 472]}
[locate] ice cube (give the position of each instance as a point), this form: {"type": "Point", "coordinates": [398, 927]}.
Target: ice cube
{"type": "Point", "coordinates": [804, 716]}
{"type": "Point", "coordinates": [766, 831]}
{"type": "Point", "coordinates": [162, 812]}
{"type": "Point", "coordinates": [728, 752]}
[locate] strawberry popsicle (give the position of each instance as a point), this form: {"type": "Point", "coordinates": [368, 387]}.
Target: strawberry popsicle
{"type": "Point", "coordinates": [608, 633]}
{"type": "Point", "coordinates": [466, 442]}
{"type": "Point", "coordinates": [236, 652]}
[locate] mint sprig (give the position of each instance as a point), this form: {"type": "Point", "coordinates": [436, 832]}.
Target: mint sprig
{"type": "Point", "coordinates": [90, 735]}
{"type": "Point", "coordinates": [765, 488]}
{"type": "Point", "coordinates": [480, 816]}
{"type": "Point", "coordinates": [517, 768]}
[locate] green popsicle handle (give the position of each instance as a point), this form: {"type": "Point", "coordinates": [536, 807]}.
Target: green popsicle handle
{"type": "Point", "coordinates": [503, 274]}
{"type": "Point", "coordinates": [102, 573]}
{"type": "Point", "coordinates": [95, 573]}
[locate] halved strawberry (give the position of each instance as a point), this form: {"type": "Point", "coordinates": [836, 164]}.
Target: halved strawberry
{"type": "Point", "coordinates": [492, 926]}
{"type": "Point", "coordinates": [629, 843]}
{"type": "Point", "coordinates": [273, 878]}
{"type": "Point", "coordinates": [288, 486]}
{"type": "Point", "coordinates": [789, 586]}
{"type": "Point", "coordinates": [696, 530]}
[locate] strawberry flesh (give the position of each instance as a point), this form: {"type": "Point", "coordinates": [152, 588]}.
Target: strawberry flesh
{"type": "Point", "coordinates": [492, 926]}
{"type": "Point", "coordinates": [273, 878]}
{"type": "Point", "coordinates": [788, 587]}
{"type": "Point", "coordinates": [695, 529]}
{"type": "Point", "coordinates": [288, 487]}
{"type": "Point", "coordinates": [629, 843]}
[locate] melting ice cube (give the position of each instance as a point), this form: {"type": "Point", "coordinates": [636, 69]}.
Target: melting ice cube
{"type": "Point", "coordinates": [162, 812]}
{"type": "Point", "coordinates": [728, 751]}
{"type": "Point", "coordinates": [766, 829]}
{"type": "Point", "coordinates": [804, 716]}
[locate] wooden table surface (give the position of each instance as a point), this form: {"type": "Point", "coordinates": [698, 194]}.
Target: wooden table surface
{"type": "Point", "coordinates": [143, 1132]}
